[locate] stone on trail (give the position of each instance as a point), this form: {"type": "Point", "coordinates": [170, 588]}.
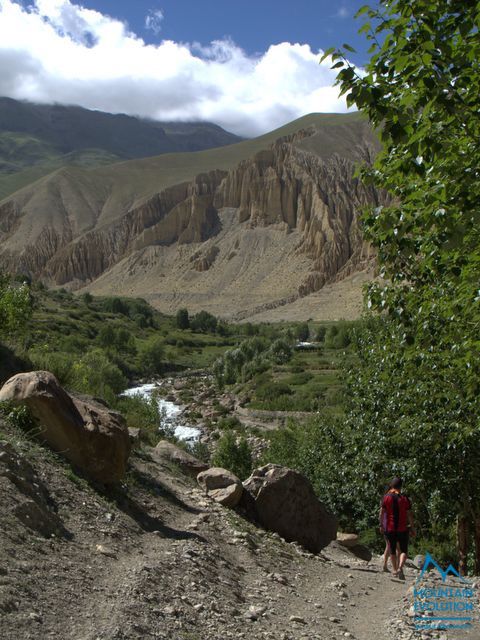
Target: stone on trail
{"type": "Point", "coordinates": [419, 561]}
{"type": "Point", "coordinates": [347, 539]}
{"type": "Point", "coordinates": [169, 452]}
{"type": "Point", "coordinates": [221, 485]}
{"type": "Point", "coordinates": [284, 502]}
{"type": "Point", "coordinates": [87, 433]}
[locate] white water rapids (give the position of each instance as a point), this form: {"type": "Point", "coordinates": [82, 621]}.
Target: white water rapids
{"type": "Point", "coordinates": [170, 410]}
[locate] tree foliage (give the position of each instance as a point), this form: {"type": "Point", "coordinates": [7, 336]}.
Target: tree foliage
{"type": "Point", "coordinates": [233, 455]}
{"type": "Point", "coordinates": [182, 319]}
{"type": "Point", "coordinates": [15, 306]}
{"type": "Point", "coordinates": [415, 400]}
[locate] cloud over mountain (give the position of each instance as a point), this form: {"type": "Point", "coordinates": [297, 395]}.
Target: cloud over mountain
{"type": "Point", "coordinates": [57, 51]}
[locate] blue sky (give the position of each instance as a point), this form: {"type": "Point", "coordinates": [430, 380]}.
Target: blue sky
{"type": "Point", "coordinates": [252, 24]}
{"type": "Point", "coordinates": [249, 66]}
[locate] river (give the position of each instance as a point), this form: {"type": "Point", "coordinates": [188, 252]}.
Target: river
{"type": "Point", "coordinates": [171, 411]}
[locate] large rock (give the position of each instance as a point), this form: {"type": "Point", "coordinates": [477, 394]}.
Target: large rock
{"type": "Point", "coordinates": [284, 502]}
{"type": "Point", "coordinates": [169, 452]}
{"type": "Point", "coordinates": [221, 485]}
{"type": "Point", "coordinates": [88, 434]}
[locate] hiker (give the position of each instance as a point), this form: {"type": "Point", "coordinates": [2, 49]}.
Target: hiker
{"type": "Point", "coordinates": [396, 523]}
{"type": "Point", "coordinates": [386, 553]}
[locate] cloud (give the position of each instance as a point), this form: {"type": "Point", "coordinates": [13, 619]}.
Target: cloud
{"type": "Point", "coordinates": [57, 51]}
{"type": "Point", "coordinates": [343, 12]}
{"type": "Point", "coordinates": [153, 20]}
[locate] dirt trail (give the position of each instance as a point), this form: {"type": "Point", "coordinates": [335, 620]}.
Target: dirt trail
{"type": "Point", "coordinates": [158, 560]}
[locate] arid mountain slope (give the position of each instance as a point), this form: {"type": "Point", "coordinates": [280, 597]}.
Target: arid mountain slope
{"type": "Point", "coordinates": [236, 230]}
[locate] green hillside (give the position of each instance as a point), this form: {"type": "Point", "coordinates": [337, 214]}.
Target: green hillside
{"type": "Point", "coordinates": [38, 139]}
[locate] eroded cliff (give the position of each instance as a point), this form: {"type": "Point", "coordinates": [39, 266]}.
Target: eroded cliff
{"type": "Point", "coordinates": [301, 204]}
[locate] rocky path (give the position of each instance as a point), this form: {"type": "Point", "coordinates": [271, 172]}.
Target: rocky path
{"type": "Point", "coordinates": [161, 562]}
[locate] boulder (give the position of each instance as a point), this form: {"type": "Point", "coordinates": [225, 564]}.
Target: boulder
{"type": "Point", "coordinates": [419, 561]}
{"type": "Point", "coordinates": [347, 539]}
{"type": "Point", "coordinates": [88, 434]}
{"type": "Point", "coordinates": [284, 502]}
{"type": "Point", "coordinates": [169, 452]}
{"type": "Point", "coordinates": [221, 485]}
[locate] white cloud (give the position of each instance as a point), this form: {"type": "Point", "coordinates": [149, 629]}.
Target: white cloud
{"type": "Point", "coordinates": [153, 20]}
{"type": "Point", "coordinates": [56, 51]}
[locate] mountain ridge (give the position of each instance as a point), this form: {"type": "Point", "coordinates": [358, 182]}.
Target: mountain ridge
{"type": "Point", "coordinates": [173, 228]}
{"type": "Point", "coordinates": [38, 138]}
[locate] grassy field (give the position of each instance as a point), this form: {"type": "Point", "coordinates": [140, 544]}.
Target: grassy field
{"type": "Point", "coordinates": [68, 325]}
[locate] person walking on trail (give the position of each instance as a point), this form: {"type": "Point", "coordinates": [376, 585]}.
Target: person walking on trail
{"type": "Point", "coordinates": [396, 523]}
{"type": "Point", "coordinates": [386, 553]}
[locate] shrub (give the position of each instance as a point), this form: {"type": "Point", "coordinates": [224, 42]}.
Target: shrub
{"type": "Point", "coordinates": [182, 319]}
{"type": "Point", "coordinates": [142, 413]}
{"type": "Point", "coordinates": [57, 362]}
{"type": "Point", "coordinates": [151, 357]}
{"type": "Point", "coordinates": [302, 332]}
{"type": "Point", "coordinates": [280, 351]}
{"type": "Point", "coordinates": [203, 322]}
{"type": "Point", "coordinates": [232, 455]}
{"type": "Point", "coordinates": [96, 375]}
{"type": "Point", "coordinates": [272, 390]}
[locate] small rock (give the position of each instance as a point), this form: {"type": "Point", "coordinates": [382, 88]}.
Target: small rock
{"type": "Point", "coordinates": [35, 616]}
{"type": "Point", "coordinates": [105, 551]}
{"type": "Point", "coordinates": [298, 619]}
{"type": "Point", "coordinates": [169, 610]}
{"type": "Point", "coordinates": [254, 612]}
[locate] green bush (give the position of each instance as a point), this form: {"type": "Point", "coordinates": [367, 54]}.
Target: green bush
{"type": "Point", "coordinates": [232, 455]}
{"type": "Point", "coordinates": [280, 351]}
{"type": "Point", "coordinates": [203, 322]}
{"type": "Point", "coordinates": [182, 319]}
{"type": "Point", "coordinates": [300, 378]}
{"type": "Point", "coordinates": [96, 375]}
{"type": "Point", "coordinates": [302, 332]}
{"type": "Point", "coordinates": [272, 391]}
{"type": "Point", "coordinates": [229, 423]}
{"type": "Point", "coordinates": [144, 414]}
{"type": "Point", "coordinates": [151, 356]}
{"type": "Point", "coordinates": [57, 362]}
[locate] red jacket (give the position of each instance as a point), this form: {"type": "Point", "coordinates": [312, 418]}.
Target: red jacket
{"type": "Point", "coordinates": [396, 506]}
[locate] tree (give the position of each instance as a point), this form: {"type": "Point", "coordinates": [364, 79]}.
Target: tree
{"type": "Point", "coordinates": [182, 319]}
{"type": "Point", "coordinates": [15, 306]}
{"type": "Point", "coordinates": [93, 373]}
{"type": "Point", "coordinates": [302, 332]}
{"type": "Point", "coordinates": [152, 354]}
{"type": "Point", "coordinates": [203, 322]}
{"type": "Point", "coordinates": [106, 336]}
{"type": "Point", "coordinates": [421, 89]}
